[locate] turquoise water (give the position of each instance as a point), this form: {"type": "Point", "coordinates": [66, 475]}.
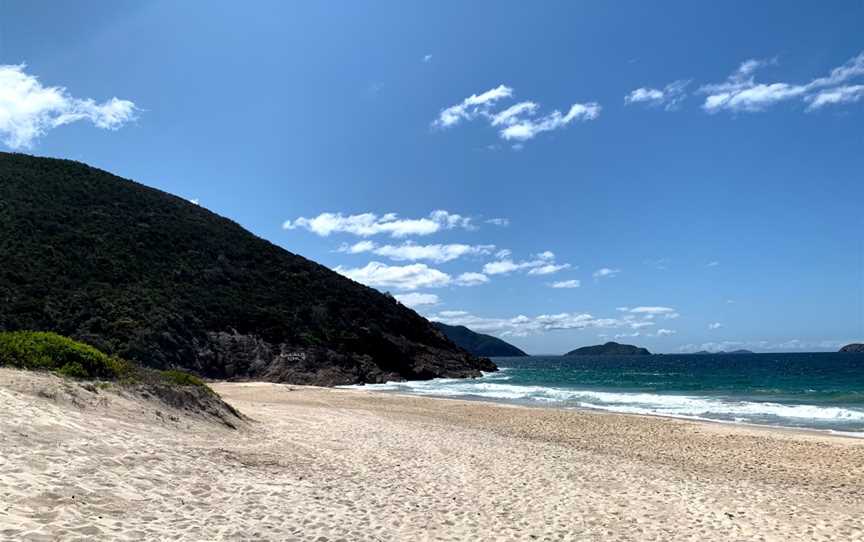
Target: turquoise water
{"type": "Point", "coordinates": [816, 391]}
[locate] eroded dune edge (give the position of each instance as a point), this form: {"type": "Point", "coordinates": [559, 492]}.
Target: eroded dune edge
{"type": "Point", "coordinates": [307, 463]}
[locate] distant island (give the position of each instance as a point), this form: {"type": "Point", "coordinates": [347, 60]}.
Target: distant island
{"type": "Point", "coordinates": [609, 349]}
{"type": "Point", "coordinates": [478, 344]}
{"type": "Point", "coordinates": [853, 348]}
{"type": "Point", "coordinates": [741, 351]}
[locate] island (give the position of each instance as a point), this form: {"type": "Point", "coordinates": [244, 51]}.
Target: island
{"type": "Point", "coordinates": [478, 344]}
{"type": "Point", "coordinates": [853, 348]}
{"type": "Point", "coordinates": [707, 353]}
{"type": "Point", "coordinates": [609, 349]}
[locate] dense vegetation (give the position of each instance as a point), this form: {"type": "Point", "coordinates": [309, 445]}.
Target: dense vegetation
{"type": "Point", "coordinates": [609, 349]}
{"type": "Point", "coordinates": [478, 344]}
{"type": "Point", "coordinates": [149, 277]}
{"type": "Point", "coordinates": [51, 352]}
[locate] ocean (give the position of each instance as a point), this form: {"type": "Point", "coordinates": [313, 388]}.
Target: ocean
{"type": "Point", "coordinates": [822, 391]}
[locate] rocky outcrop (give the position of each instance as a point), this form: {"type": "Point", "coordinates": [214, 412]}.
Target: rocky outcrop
{"type": "Point", "coordinates": [856, 348]}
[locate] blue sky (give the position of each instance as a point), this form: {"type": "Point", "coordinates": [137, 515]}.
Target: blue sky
{"type": "Point", "coordinates": [700, 185]}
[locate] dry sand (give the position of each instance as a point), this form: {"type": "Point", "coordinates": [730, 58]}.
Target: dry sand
{"type": "Point", "coordinates": [323, 464]}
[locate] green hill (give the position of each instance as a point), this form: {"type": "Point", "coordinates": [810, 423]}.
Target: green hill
{"type": "Point", "coordinates": [152, 278]}
{"type": "Point", "coordinates": [478, 344]}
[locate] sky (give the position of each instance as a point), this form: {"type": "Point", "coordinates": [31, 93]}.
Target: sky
{"type": "Point", "coordinates": [556, 174]}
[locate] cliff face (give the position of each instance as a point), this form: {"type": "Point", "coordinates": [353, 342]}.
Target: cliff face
{"type": "Point", "coordinates": [157, 280]}
{"type": "Point", "coordinates": [609, 349]}
{"type": "Point", "coordinates": [853, 348]}
{"type": "Point", "coordinates": [479, 344]}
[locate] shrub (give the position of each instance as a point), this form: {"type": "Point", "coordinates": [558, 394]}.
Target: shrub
{"type": "Point", "coordinates": [49, 351]}
{"type": "Point", "coordinates": [180, 378]}
{"type": "Point", "coordinates": [36, 350]}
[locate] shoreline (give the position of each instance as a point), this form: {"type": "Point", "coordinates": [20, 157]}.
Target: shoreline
{"type": "Point", "coordinates": [313, 462]}
{"type": "Point", "coordinates": [682, 418]}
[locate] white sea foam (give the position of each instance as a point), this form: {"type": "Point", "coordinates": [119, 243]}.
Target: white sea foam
{"type": "Point", "coordinates": [493, 386]}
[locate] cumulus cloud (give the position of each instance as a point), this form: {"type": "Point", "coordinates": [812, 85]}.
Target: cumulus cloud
{"type": "Point", "coordinates": [669, 96]}
{"type": "Point", "coordinates": [838, 95]}
{"type": "Point", "coordinates": [715, 325]}
{"type": "Point", "coordinates": [522, 325]}
{"type": "Point", "coordinates": [574, 283]}
{"type": "Point", "coordinates": [472, 106]}
{"type": "Point", "coordinates": [412, 252]}
{"type": "Point", "coordinates": [416, 299]}
{"type": "Point", "coordinates": [524, 128]}
{"type": "Point", "coordinates": [471, 279]}
{"type": "Point", "coordinates": [498, 221]}
{"type": "Point", "coordinates": [405, 277]}
{"type": "Point", "coordinates": [668, 312]}
{"type": "Point", "coordinates": [28, 110]}
{"type": "Point", "coordinates": [741, 93]}
{"type": "Point", "coordinates": [519, 122]}
{"type": "Point", "coordinates": [408, 277]}
{"type": "Point", "coordinates": [665, 332]}
{"type": "Point", "coordinates": [606, 272]}
{"type": "Point", "coordinates": [369, 224]}
{"type": "Point", "coordinates": [541, 264]}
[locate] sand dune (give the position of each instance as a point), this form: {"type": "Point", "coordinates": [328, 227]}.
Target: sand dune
{"type": "Point", "coordinates": [323, 464]}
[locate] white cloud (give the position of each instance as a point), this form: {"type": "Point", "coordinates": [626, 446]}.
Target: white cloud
{"type": "Point", "coordinates": [28, 109]}
{"type": "Point", "coordinates": [669, 96]}
{"type": "Point", "coordinates": [416, 299]}
{"type": "Point", "coordinates": [195, 201]}
{"type": "Point", "coordinates": [472, 106]}
{"type": "Point", "coordinates": [434, 253]}
{"type": "Point", "coordinates": [838, 95]}
{"type": "Point", "coordinates": [519, 122]}
{"type": "Point", "coordinates": [522, 325]}
{"type": "Point", "coordinates": [368, 224]}
{"type": "Point", "coordinates": [358, 247]}
{"type": "Point", "coordinates": [471, 279]}
{"type": "Point", "coordinates": [606, 272]}
{"type": "Point", "coordinates": [501, 267]}
{"type": "Point", "coordinates": [649, 310]}
{"type": "Point", "coordinates": [523, 129]}
{"type": "Point", "coordinates": [548, 269]}
{"type": "Point", "coordinates": [511, 115]}
{"type": "Point", "coordinates": [499, 221]}
{"type": "Point", "coordinates": [427, 58]}
{"type": "Point", "coordinates": [665, 332]}
{"type": "Point", "coordinates": [574, 283]}
{"type": "Point", "coordinates": [542, 264]}
{"type": "Point", "coordinates": [713, 263]}
{"type": "Point", "coordinates": [406, 277]}
{"type": "Point", "coordinates": [503, 253]}
{"type": "Point", "coordinates": [715, 325]}
{"type": "Point", "coordinates": [740, 92]}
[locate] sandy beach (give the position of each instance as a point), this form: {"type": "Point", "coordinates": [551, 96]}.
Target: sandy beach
{"type": "Point", "coordinates": [327, 464]}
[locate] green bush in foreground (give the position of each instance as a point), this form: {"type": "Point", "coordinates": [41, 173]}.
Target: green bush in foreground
{"type": "Point", "coordinates": [38, 350]}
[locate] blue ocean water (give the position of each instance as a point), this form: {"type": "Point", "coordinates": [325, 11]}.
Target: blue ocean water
{"type": "Point", "coordinates": [816, 391]}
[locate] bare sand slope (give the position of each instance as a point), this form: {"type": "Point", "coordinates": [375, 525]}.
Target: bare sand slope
{"type": "Point", "coordinates": [321, 464]}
